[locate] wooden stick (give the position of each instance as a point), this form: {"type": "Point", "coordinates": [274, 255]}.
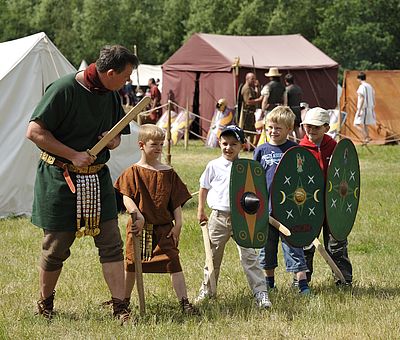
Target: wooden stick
{"type": "Point", "coordinates": [186, 137]}
{"type": "Point", "coordinates": [328, 260]}
{"type": "Point", "coordinates": [209, 259]}
{"type": "Point", "coordinates": [117, 128]}
{"type": "Point", "coordinates": [169, 140]}
{"type": "Point", "coordinates": [278, 225]}
{"type": "Point", "coordinates": [138, 268]}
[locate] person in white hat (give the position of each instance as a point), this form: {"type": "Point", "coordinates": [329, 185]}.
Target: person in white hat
{"type": "Point", "coordinates": [274, 93]}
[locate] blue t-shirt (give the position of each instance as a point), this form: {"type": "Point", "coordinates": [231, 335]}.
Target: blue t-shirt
{"type": "Point", "coordinates": [269, 156]}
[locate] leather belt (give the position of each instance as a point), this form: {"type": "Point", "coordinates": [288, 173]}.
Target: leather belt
{"type": "Point", "coordinates": [84, 170]}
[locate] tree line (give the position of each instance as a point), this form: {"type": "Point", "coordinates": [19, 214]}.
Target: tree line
{"type": "Point", "coordinates": [357, 34]}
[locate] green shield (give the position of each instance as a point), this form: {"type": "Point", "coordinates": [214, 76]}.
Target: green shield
{"type": "Point", "coordinates": [249, 203]}
{"type": "Point", "coordinates": [342, 192]}
{"type": "Point", "coordinates": [297, 196]}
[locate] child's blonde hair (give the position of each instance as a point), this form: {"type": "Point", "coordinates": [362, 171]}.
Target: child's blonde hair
{"type": "Point", "coordinates": [282, 115]}
{"type": "Point", "coordinates": [150, 132]}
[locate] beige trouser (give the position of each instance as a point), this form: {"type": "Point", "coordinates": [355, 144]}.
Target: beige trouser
{"type": "Point", "coordinates": [220, 230]}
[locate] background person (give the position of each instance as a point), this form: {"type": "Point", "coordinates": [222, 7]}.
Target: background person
{"type": "Point", "coordinates": [251, 101]}
{"type": "Point", "coordinates": [365, 114]}
{"type": "Point", "coordinates": [294, 97]}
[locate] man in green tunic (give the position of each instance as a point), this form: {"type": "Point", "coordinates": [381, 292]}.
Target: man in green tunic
{"type": "Point", "coordinates": [73, 194]}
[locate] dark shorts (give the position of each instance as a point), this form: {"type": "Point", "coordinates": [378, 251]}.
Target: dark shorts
{"type": "Point", "coordinates": [56, 246]}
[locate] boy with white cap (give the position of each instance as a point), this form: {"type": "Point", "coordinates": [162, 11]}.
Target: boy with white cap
{"type": "Point", "coordinates": [316, 125]}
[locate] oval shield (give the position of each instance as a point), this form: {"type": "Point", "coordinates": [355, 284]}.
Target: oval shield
{"type": "Point", "coordinates": [297, 196]}
{"type": "Point", "coordinates": [342, 193]}
{"type": "Point", "coordinates": [249, 203]}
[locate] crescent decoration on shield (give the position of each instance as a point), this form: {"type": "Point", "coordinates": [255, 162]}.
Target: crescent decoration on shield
{"type": "Point", "coordinates": [316, 195]}
{"type": "Point", "coordinates": [283, 197]}
{"type": "Point", "coordinates": [330, 186]}
{"type": "Point", "coordinates": [355, 192]}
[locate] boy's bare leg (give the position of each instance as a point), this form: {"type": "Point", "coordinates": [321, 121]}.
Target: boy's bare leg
{"type": "Point", "coordinates": [113, 273]}
{"type": "Point", "coordinates": [301, 276]}
{"type": "Point", "coordinates": [179, 285]}
{"type": "Point", "coordinates": [129, 284]}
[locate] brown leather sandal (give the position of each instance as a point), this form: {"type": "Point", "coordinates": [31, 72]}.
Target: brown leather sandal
{"type": "Point", "coordinates": [121, 310]}
{"type": "Point", "coordinates": [188, 308]}
{"type": "Point", "coordinates": [45, 306]}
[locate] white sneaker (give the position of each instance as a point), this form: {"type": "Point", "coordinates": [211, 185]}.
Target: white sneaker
{"type": "Point", "coordinates": [203, 295]}
{"type": "Point", "coordinates": [262, 300]}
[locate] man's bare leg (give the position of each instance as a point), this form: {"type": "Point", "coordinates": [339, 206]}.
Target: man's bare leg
{"type": "Point", "coordinates": [47, 282]}
{"type": "Point", "coordinates": [113, 273]}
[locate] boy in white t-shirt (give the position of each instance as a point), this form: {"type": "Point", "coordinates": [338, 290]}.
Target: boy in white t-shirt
{"type": "Point", "coordinates": [214, 187]}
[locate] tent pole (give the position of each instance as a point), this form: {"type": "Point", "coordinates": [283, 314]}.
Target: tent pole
{"type": "Point", "coordinates": [169, 133]}
{"type": "Point", "coordinates": [340, 104]}
{"type": "Point", "coordinates": [187, 125]}
{"type": "Point", "coordinates": [137, 69]}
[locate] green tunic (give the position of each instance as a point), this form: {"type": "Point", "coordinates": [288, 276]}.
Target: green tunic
{"type": "Point", "coordinates": [76, 117]}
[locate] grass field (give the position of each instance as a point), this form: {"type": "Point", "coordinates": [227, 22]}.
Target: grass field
{"type": "Point", "coordinates": [370, 310]}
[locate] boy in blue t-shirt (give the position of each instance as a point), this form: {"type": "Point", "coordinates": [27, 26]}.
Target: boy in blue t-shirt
{"type": "Point", "coordinates": [279, 123]}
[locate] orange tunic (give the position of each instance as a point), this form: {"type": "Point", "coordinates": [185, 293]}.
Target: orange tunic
{"type": "Point", "coordinates": [157, 193]}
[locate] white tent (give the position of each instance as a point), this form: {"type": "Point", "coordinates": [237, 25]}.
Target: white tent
{"type": "Point", "coordinates": [83, 65]}
{"type": "Point", "coordinates": [146, 72]}
{"type": "Point", "coordinates": [27, 66]}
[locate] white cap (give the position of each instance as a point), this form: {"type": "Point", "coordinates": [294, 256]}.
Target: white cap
{"type": "Point", "coordinates": [316, 116]}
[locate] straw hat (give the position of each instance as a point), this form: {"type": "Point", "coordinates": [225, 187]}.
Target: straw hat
{"type": "Point", "coordinates": [273, 72]}
{"type": "Point", "coordinates": [222, 101]}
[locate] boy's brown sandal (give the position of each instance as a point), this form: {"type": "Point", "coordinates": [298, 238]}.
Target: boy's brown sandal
{"type": "Point", "coordinates": [109, 303]}
{"type": "Point", "coordinates": [121, 310]}
{"type": "Point", "coordinates": [45, 306]}
{"type": "Point", "coordinates": [188, 308]}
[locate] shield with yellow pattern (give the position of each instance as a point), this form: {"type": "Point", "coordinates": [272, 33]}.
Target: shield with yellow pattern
{"type": "Point", "coordinates": [297, 196]}
{"type": "Point", "coordinates": [342, 189]}
{"type": "Point", "coordinates": [249, 203]}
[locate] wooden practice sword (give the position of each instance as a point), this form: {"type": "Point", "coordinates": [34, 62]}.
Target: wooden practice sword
{"type": "Point", "coordinates": [209, 258]}
{"type": "Point", "coordinates": [117, 128]}
{"type": "Point", "coordinates": [138, 267]}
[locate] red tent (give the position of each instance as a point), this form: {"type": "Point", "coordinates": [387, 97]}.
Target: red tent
{"type": "Point", "coordinates": [200, 72]}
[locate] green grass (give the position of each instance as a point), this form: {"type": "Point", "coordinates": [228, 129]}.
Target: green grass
{"type": "Point", "coordinates": [371, 310]}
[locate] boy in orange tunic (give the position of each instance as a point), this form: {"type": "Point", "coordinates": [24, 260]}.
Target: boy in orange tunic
{"type": "Point", "coordinates": [156, 194]}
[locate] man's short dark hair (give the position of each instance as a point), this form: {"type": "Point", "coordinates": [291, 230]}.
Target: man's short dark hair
{"type": "Point", "coordinates": [115, 57]}
{"type": "Point", "coordinates": [362, 76]}
{"type": "Point", "coordinates": [289, 78]}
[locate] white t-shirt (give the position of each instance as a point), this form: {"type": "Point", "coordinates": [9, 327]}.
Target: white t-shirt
{"type": "Point", "coordinates": [216, 178]}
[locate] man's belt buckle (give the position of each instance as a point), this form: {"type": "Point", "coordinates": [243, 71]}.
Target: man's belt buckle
{"type": "Point", "coordinates": [47, 158]}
